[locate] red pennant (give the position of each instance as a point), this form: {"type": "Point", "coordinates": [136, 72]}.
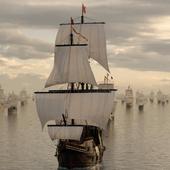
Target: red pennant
{"type": "Point", "coordinates": [83, 9]}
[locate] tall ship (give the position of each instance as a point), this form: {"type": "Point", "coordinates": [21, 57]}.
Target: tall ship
{"type": "Point", "coordinates": [2, 97]}
{"type": "Point", "coordinates": [129, 97]}
{"type": "Point", "coordinates": [159, 96]}
{"type": "Point", "coordinates": [23, 97]}
{"type": "Point", "coordinates": [141, 100]}
{"type": "Point", "coordinates": [78, 113]}
{"type": "Point", "coordinates": [12, 102]}
{"type": "Point", "coordinates": [151, 96]}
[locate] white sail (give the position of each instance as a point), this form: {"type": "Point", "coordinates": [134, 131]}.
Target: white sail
{"type": "Point", "coordinates": [12, 100]}
{"type": "Point", "coordinates": [50, 106]}
{"type": "Point", "coordinates": [93, 108]}
{"type": "Point", "coordinates": [71, 65]}
{"type": "Point", "coordinates": [94, 32]}
{"type": "Point", "coordinates": [65, 132]}
{"type": "Point", "coordinates": [23, 95]}
{"type": "Point", "coordinates": [140, 99]}
{"type": "Point", "coordinates": [129, 96]}
{"type": "Point", "coordinates": [2, 96]}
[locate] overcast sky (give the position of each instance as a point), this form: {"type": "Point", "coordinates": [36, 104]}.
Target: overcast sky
{"type": "Point", "coordinates": [137, 32]}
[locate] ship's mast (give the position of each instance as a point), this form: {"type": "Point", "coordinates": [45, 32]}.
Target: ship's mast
{"type": "Point", "coordinates": [71, 32]}
{"type": "Point", "coordinates": [83, 10]}
{"type": "Point", "coordinates": [82, 18]}
{"type": "Point", "coordinates": [71, 43]}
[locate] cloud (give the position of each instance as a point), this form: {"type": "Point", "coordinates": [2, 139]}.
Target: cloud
{"type": "Point", "coordinates": [161, 47]}
{"type": "Point", "coordinates": [133, 37]}
{"type": "Point", "coordinates": [23, 52]}
{"type": "Point", "coordinates": [30, 82]}
{"type": "Point", "coordinates": [166, 80]}
{"type": "Point", "coordinates": [2, 62]}
{"type": "Point", "coordinates": [16, 37]}
{"type": "Point", "coordinates": [137, 59]}
{"type": "Point", "coordinates": [24, 13]}
{"type": "Point", "coordinates": [13, 43]}
{"type": "Point", "coordinates": [14, 67]}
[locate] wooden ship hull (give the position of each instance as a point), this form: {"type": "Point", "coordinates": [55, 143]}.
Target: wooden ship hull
{"type": "Point", "coordinates": [129, 105]}
{"type": "Point", "coordinates": [12, 109]}
{"type": "Point", "coordinates": [23, 102]}
{"type": "Point", "coordinates": [71, 156]}
{"type": "Point", "coordinates": [87, 152]}
{"type": "Point", "coordinates": [141, 107]}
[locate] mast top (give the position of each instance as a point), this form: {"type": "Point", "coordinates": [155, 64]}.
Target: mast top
{"type": "Point", "coordinates": [83, 11]}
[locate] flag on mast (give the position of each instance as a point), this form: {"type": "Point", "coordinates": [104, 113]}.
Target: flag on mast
{"type": "Point", "coordinates": [83, 9]}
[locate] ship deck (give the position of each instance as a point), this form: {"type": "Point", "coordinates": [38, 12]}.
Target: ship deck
{"type": "Point", "coordinates": [78, 91]}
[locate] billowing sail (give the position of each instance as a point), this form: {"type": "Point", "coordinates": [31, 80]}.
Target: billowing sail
{"type": "Point", "coordinates": [94, 33]}
{"type": "Point", "coordinates": [65, 132]}
{"type": "Point", "coordinates": [94, 107]}
{"type": "Point", "coordinates": [50, 106]}
{"type": "Point", "coordinates": [71, 65]}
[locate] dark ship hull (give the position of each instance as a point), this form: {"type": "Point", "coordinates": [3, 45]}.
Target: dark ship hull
{"type": "Point", "coordinates": [12, 109]}
{"type": "Point", "coordinates": [141, 107]}
{"type": "Point", "coordinates": [128, 105]}
{"type": "Point", "coordinates": [23, 103]}
{"type": "Point", "coordinates": [151, 100]}
{"type": "Point", "coordinates": [86, 153]}
{"type": "Point", "coordinates": [159, 101]}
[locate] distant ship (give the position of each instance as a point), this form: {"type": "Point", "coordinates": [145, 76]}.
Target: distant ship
{"type": "Point", "coordinates": [129, 97]}
{"type": "Point", "coordinates": [23, 97]}
{"type": "Point", "coordinates": [141, 100]}
{"type": "Point", "coordinates": [159, 96]}
{"type": "Point", "coordinates": [167, 98]}
{"type": "Point", "coordinates": [151, 97]}
{"type": "Point", "coordinates": [81, 111]}
{"type": "Point", "coordinates": [2, 98]}
{"type": "Point", "coordinates": [163, 99]}
{"type": "Point", "coordinates": [12, 102]}
{"type": "Point", "coordinates": [121, 97]}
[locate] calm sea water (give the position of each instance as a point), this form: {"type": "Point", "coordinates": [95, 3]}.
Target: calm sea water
{"type": "Point", "coordinates": [134, 141]}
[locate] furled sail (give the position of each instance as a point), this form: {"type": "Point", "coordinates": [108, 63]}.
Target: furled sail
{"type": "Point", "coordinates": [65, 132]}
{"type": "Point", "coordinates": [94, 107]}
{"type": "Point", "coordinates": [95, 34]}
{"type": "Point", "coordinates": [71, 65]}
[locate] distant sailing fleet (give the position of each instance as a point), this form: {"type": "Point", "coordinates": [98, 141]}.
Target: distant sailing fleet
{"type": "Point", "coordinates": [10, 101]}
{"type": "Point", "coordinates": [141, 99]}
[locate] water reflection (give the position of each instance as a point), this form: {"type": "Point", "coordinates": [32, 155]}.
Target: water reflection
{"type": "Point", "coordinates": [2, 109]}
{"type": "Point", "coordinates": [134, 140]}
{"type": "Point", "coordinates": [12, 123]}
{"type": "Point", "coordinates": [110, 125]}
